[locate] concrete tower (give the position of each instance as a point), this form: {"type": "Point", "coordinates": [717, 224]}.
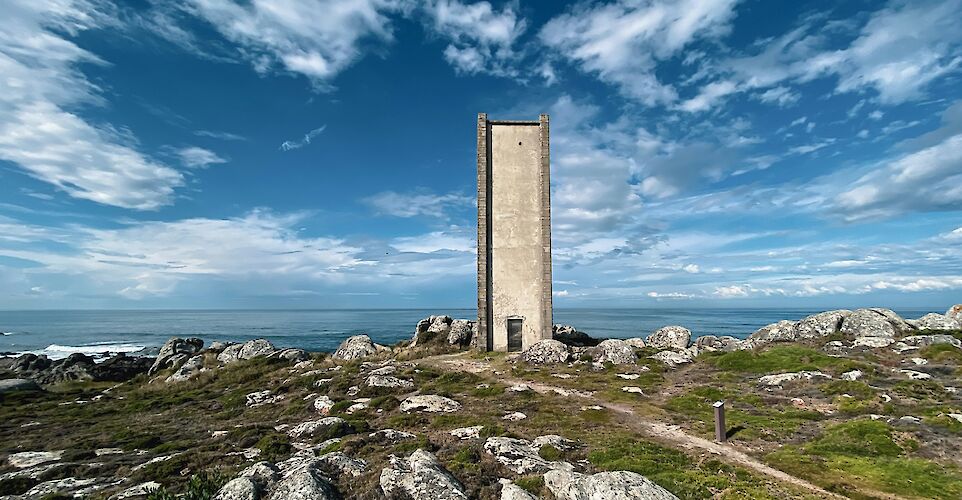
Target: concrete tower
{"type": "Point", "coordinates": [514, 233]}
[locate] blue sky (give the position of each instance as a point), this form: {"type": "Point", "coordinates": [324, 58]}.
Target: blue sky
{"type": "Point", "coordinates": [311, 153]}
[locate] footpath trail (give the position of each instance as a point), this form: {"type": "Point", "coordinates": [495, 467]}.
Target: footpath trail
{"type": "Point", "coordinates": [658, 430]}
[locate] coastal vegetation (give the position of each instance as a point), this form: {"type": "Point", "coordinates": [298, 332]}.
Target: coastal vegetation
{"type": "Point", "coordinates": [806, 419]}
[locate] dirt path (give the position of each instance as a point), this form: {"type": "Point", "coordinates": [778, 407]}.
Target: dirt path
{"type": "Point", "coordinates": [658, 430]}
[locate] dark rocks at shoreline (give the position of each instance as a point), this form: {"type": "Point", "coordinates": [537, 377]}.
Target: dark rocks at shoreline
{"type": "Point", "coordinates": [77, 367]}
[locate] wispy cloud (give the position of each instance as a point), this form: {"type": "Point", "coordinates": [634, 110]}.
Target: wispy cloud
{"type": "Point", "coordinates": [418, 203]}
{"type": "Point", "coordinates": [37, 132]}
{"type": "Point", "coordinates": [304, 141]}
{"type": "Point", "coordinates": [196, 157]}
{"type": "Point", "coordinates": [214, 134]}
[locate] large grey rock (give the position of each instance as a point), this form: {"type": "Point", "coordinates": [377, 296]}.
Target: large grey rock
{"type": "Point", "coordinates": [520, 456]}
{"type": "Point", "coordinates": [430, 403]}
{"type": "Point", "coordinates": [955, 312]}
{"type": "Point", "coordinates": [712, 343]}
{"type": "Point", "coordinates": [240, 488]}
{"type": "Point", "coordinates": [304, 483]}
{"type": "Point", "coordinates": [77, 367]}
{"type": "Point", "coordinates": [673, 358]}
{"type": "Point", "coordinates": [18, 384]}
{"type": "Point", "coordinates": [545, 352]}
{"type": "Point", "coordinates": [419, 477]}
{"type": "Point", "coordinates": [391, 436]}
{"type": "Point", "coordinates": [615, 485]}
{"type": "Point", "coordinates": [783, 378]}
{"type": "Point", "coordinates": [174, 351]}
{"type": "Point", "coordinates": [782, 331]}
{"type": "Point", "coordinates": [669, 337]}
{"type": "Point", "coordinates": [121, 368]}
{"type": "Point", "coordinates": [356, 347]}
{"type": "Point", "coordinates": [248, 350]}
{"type": "Point", "coordinates": [870, 323]}
{"type": "Point", "coordinates": [460, 332]}
{"type": "Point", "coordinates": [822, 324]}
{"type": "Point", "coordinates": [292, 355]}
{"type": "Point", "coordinates": [927, 340]}
{"type": "Point", "coordinates": [337, 464]}
{"type": "Point", "coordinates": [188, 370]}
{"type": "Point", "coordinates": [935, 321]}
{"type": "Point", "coordinates": [570, 336]}
{"type": "Point", "coordinates": [431, 327]}
{"type": "Point", "coordinates": [511, 491]}
{"type": "Point", "coordinates": [329, 426]}
{"type": "Point", "coordinates": [389, 381]}
{"type": "Point", "coordinates": [613, 351]}
{"type": "Point", "coordinates": [25, 459]}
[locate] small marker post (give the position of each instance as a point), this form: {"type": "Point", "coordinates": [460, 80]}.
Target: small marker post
{"type": "Point", "coordinates": [720, 431]}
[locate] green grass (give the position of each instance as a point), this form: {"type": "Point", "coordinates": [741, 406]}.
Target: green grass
{"type": "Point", "coordinates": [942, 353]}
{"type": "Point", "coordinates": [779, 359]}
{"type": "Point", "coordinates": [747, 413]}
{"type": "Point", "coordinates": [860, 454]}
{"type": "Point", "coordinates": [677, 472]}
{"type": "Point", "coordinates": [201, 486]}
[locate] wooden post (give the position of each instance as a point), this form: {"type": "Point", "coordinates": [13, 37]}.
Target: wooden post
{"type": "Point", "coordinates": [721, 433]}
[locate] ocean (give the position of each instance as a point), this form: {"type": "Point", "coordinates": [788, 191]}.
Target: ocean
{"type": "Point", "coordinates": [59, 333]}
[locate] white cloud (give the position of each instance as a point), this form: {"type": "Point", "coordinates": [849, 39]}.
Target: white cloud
{"type": "Point", "coordinates": [622, 41]}
{"type": "Point", "coordinates": [481, 37]}
{"type": "Point", "coordinates": [196, 157]}
{"type": "Point", "coordinates": [314, 38]}
{"type": "Point", "coordinates": [417, 203]}
{"type": "Point", "coordinates": [890, 55]}
{"type": "Point", "coordinates": [782, 96]}
{"type": "Point", "coordinates": [690, 268]}
{"type": "Point", "coordinates": [151, 258]}
{"type": "Point", "coordinates": [215, 134]}
{"type": "Point", "coordinates": [304, 141]}
{"type": "Point", "coordinates": [437, 241]}
{"type": "Point", "coordinates": [42, 135]}
{"type": "Point", "coordinates": [709, 95]}
{"type": "Point", "coordinates": [929, 179]}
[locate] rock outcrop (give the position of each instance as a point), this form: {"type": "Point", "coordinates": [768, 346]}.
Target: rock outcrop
{"type": "Point", "coordinates": [430, 328]}
{"type": "Point", "coordinates": [669, 337]}
{"type": "Point", "coordinates": [18, 384]}
{"type": "Point", "coordinates": [613, 351]}
{"type": "Point", "coordinates": [191, 367]}
{"type": "Point", "coordinates": [673, 358]}
{"type": "Point", "coordinates": [877, 323]}
{"type": "Point", "coordinates": [520, 456]}
{"type": "Point", "coordinates": [935, 321]}
{"type": "Point", "coordinates": [460, 332]}
{"type": "Point", "coordinates": [955, 312]}
{"type": "Point", "coordinates": [248, 350]}
{"type": "Point", "coordinates": [783, 378]}
{"type": "Point", "coordinates": [325, 427]}
{"type": "Point", "coordinates": [616, 485]}
{"type": "Point", "coordinates": [782, 331]}
{"type": "Point", "coordinates": [822, 324]}
{"type": "Point", "coordinates": [419, 477]}
{"type": "Point", "coordinates": [570, 336]}
{"type": "Point", "coordinates": [355, 347]}
{"type": "Point", "coordinates": [712, 343]}
{"type": "Point", "coordinates": [545, 352]}
{"type": "Point", "coordinates": [430, 403]}
{"type": "Point", "coordinates": [175, 351]}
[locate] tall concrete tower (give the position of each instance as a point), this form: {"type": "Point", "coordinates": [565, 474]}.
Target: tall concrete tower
{"type": "Point", "coordinates": [514, 233]}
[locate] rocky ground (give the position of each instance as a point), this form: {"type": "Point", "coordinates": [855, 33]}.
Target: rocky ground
{"type": "Point", "coordinates": [862, 404]}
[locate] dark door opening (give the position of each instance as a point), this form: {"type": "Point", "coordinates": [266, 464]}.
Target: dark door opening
{"type": "Point", "coordinates": [514, 334]}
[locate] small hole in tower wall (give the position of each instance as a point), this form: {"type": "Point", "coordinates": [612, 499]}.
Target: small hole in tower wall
{"type": "Point", "coordinates": [519, 144]}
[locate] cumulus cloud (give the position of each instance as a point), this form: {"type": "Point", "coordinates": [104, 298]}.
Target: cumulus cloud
{"type": "Point", "coordinates": [314, 38]}
{"type": "Point", "coordinates": [622, 42]}
{"type": "Point", "coordinates": [481, 37]}
{"type": "Point", "coordinates": [39, 130]}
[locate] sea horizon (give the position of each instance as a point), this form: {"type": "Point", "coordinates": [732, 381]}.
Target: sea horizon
{"type": "Point", "coordinates": [102, 332]}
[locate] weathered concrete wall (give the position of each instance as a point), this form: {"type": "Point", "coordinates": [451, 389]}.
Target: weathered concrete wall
{"type": "Point", "coordinates": [514, 230]}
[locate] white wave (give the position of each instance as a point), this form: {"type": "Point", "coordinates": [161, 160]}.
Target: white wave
{"type": "Point", "coordinates": [6, 333]}
{"type": "Point", "coordinates": [57, 351]}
